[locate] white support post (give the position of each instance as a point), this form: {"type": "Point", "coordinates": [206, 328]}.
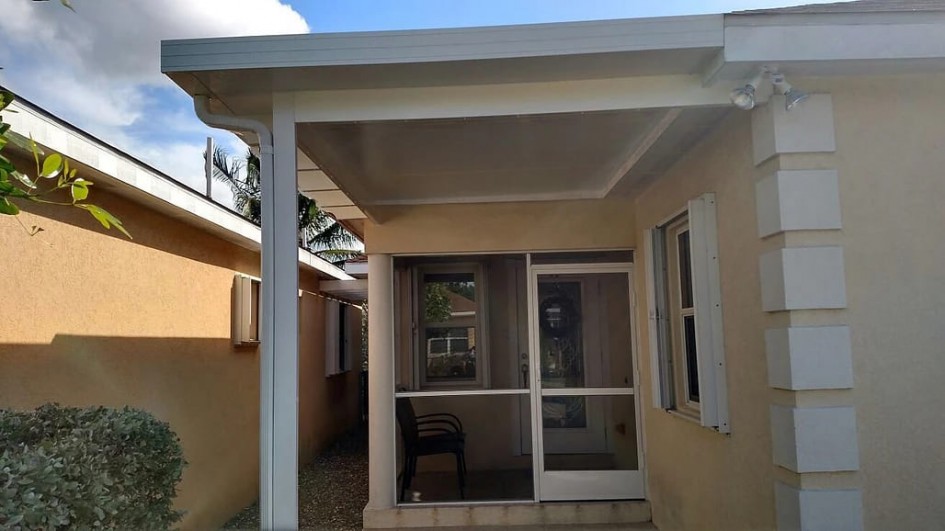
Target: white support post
{"type": "Point", "coordinates": [280, 343]}
{"type": "Point", "coordinates": [382, 446]}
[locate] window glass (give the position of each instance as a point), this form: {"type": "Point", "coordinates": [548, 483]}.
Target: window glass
{"type": "Point", "coordinates": [560, 340]}
{"type": "Point", "coordinates": [685, 269]}
{"type": "Point", "coordinates": [692, 363]}
{"type": "Point", "coordinates": [450, 353]}
{"type": "Point", "coordinates": [449, 312]}
{"type": "Point", "coordinates": [448, 296]}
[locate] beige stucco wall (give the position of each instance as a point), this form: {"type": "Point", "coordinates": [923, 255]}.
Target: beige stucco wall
{"type": "Point", "coordinates": [92, 318]}
{"type": "Point", "coordinates": [698, 478]}
{"type": "Point", "coordinates": [491, 227]}
{"type": "Point", "coordinates": [891, 165]}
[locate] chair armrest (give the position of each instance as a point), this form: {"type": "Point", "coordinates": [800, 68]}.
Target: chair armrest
{"type": "Point", "coordinates": [455, 419]}
{"type": "Point", "coordinates": [439, 430]}
{"type": "Point", "coordinates": [447, 422]}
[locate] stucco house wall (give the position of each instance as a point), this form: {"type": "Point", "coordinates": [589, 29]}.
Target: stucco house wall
{"type": "Point", "coordinates": [496, 227]}
{"type": "Point", "coordinates": [889, 161]}
{"type": "Point", "coordinates": [94, 319]}
{"type": "Point", "coordinates": [889, 164]}
{"type": "Point", "coordinates": [891, 167]}
{"type": "Point", "coordinates": [699, 478]}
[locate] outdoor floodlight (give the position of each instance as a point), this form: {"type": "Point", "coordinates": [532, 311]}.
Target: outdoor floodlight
{"type": "Point", "coordinates": [792, 96]}
{"type": "Point", "coordinates": [744, 97]}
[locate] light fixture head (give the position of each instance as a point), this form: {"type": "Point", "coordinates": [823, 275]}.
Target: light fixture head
{"type": "Point", "coordinates": [792, 96]}
{"type": "Point", "coordinates": [743, 97]}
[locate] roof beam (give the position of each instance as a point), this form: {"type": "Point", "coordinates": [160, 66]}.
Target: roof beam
{"type": "Point", "coordinates": [507, 99]}
{"type": "Point", "coordinates": [638, 151]}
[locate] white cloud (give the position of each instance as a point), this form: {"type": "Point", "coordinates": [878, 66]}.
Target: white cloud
{"type": "Point", "coordinates": [99, 68]}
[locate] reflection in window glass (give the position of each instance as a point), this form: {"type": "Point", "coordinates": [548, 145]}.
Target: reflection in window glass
{"type": "Point", "coordinates": [450, 353]}
{"type": "Point", "coordinates": [563, 412]}
{"type": "Point", "coordinates": [448, 296]}
{"type": "Point", "coordinates": [692, 362]}
{"type": "Point", "coordinates": [450, 323]}
{"type": "Point", "coordinates": [560, 340]}
{"type": "Point", "coordinates": [685, 270]}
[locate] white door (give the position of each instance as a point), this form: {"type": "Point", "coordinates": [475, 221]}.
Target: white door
{"type": "Point", "coordinates": [585, 416]}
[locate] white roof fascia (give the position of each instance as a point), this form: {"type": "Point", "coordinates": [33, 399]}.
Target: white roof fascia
{"type": "Point", "coordinates": [506, 99]}
{"type": "Point", "coordinates": [172, 197]}
{"type": "Point", "coordinates": [879, 43]}
{"type": "Point", "coordinates": [836, 38]}
{"type": "Point", "coordinates": [463, 44]}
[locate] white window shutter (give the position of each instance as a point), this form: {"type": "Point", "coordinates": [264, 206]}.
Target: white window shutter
{"type": "Point", "coordinates": [345, 335]}
{"type": "Point", "coordinates": [708, 309]}
{"type": "Point", "coordinates": [653, 324]}
{"type": "Point", "coordinates": [245, 310]}
{"type": "Point", "coordinates": [332, 338]}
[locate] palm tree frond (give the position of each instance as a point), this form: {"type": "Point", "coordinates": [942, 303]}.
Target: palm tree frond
{"type": "Point", "coordinates": [318, 231]}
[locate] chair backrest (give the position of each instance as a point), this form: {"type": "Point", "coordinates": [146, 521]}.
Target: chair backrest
{"type": "Point", "coordinates": [407, 420]}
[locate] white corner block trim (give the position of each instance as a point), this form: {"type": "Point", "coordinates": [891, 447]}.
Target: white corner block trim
{"type": "Point", "coordinates": [798, 200]}
{"type": "Point", "coordinates": [803, 278]}
{"type": "Point", "coordinates": [807, 128]}
{"type": "Point", "coordinates": [809, 357]}
{"type": "Point", "coordinates": [818, 510]}
{"type": "Point", "coordinates": [815, 439]}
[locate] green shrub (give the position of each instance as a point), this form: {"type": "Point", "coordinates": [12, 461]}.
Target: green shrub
{"type": "Point", "coordinates": [63, 467]}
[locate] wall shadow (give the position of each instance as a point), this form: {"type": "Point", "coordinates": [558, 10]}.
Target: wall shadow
{"type": "Point", "coordinates": [204, 388]}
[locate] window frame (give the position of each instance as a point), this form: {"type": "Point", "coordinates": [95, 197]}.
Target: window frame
{"type": "Point", "coordinates": [678, 312]}
{"type": "Point", "coordinates": [245, 329]}
{"type": "Point", "coordinates": [337, 338]}
{"type": "Point", "coordinates": [480, 322]}
{"type": "Point", "coordinates": [666, 330]}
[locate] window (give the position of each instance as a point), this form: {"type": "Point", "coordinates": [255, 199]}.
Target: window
{"type": "Point", "coordinates": [338, 332]}
{"type": "Point", "coordinates": [245, 311]}
{"type": "Point", "coordinates": [450, 342]}
{"type": "Point", "coordinates": [685, 308]}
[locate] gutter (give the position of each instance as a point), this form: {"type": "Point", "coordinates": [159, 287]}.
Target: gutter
{"type": "Point", "coordinates": [267, 347]}
{"type": "Point", "coordinates": [232, 123]}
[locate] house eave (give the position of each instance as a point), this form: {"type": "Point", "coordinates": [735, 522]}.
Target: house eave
{"type": "Point", "coordinates": [138, 182]}
{"type": "Point", "coordinates": [442, 45]}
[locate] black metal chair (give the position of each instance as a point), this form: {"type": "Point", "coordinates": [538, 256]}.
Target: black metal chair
{"type": "Point", "coordinates": [432, 434]}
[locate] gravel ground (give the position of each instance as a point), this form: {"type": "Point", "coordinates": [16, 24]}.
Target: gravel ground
{"type": "Point", "coordinates": [333, 489]}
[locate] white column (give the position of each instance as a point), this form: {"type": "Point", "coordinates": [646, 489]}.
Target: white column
{"type": "Point", "coordinates": [381, 431]}
{"type": "Point", "coordinates": [280, 319]}
{"type": "Point", "coordinates": [805, 276]}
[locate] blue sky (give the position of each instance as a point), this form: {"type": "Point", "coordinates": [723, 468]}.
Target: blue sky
{"type": "Point", "coordinates": [372, 15]}
{"type": "Point", "coordinates": [99, 67]}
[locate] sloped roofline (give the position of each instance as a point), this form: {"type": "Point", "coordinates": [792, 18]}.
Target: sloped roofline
{"type": "Point", "coordinates": [143, 184]}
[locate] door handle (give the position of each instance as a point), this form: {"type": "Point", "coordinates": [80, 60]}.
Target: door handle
{"type": "Point", "coordinates": [525, 370]}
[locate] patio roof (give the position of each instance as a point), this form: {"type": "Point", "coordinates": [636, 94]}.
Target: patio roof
{"type": "Point", "coordinates": [536, 112]}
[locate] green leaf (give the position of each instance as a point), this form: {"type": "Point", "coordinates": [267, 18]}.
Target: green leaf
{"type": "Point", "coordinates": [34, 149]}
{"type": "Point", "coordinates": [23, 178]}
{"type": "Point", "coordinates": [107, 220]}
{"type": "Point", "coordinates": [80, 190]}
{"type": "Point", "coordinates": [6, 98]}
{"type": "Point", "coordinates": [21, 141]}
{"type": "Point", "coordinates": [51, 166]}
{"type": "Point", "coordinates": [8, 208]}
{"type": "Point", "coordinates": [8, 188]}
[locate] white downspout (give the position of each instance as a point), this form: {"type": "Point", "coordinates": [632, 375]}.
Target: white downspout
{"type": "Point", "coordinates": [266, 363]}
